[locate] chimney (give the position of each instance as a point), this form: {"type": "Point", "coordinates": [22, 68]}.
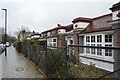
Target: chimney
{"type": "Point", "coordinates": [58, 25]}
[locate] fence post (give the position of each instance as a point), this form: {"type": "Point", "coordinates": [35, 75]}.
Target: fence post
{"type": "Point", "coordinates": [46, 72]}
{"type": "Point", "coordinates": [66, 61]}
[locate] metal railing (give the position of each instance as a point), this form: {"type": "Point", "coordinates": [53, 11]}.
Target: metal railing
{"type": "Point", "coordinates": [58, 62]}
{"type": "Point", "coordinates": [93, 70]}
{"type": "Point", "coordinates": [51, 60]}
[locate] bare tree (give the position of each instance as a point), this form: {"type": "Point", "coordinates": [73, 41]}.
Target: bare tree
{"type": "Point", "coordinates": [2, 30]}
{"type": "Point", "coordinates": [10, 38]}
{"type": "Point", "coordinates": [22, 28]}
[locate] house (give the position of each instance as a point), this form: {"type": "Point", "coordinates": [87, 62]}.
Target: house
{"type": "Point", "coordinates": [23, 35]}
{"type": "Point", "coordinates": [99, 31]}
{"type": "Point", "coordinates": [71, 37]}
{"type": "Point", "coordinates": [29, 35]}
{"type": "Point", "coordinates": [35, 36]}
{"type": "Point", "coordinates": [115, 22]}
{"type": "Point", "coordinates": [79, 24]}
{"type": "Point", "coordinates": [53, 35]}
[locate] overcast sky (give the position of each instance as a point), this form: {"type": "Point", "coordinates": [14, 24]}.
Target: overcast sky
{"type": "Point", "coordinates": [41, 15]}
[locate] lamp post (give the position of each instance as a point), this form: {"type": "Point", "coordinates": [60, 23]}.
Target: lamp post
{"type": "Point", "coordinates": [5, 30]}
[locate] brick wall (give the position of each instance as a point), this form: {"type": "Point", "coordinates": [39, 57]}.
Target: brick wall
{"type": "Point", "coordinates": [61, 41]}
{"type": "Point", "coordinates": [75, 40]}
{"type": "Point", "coordinates": [117, 52]}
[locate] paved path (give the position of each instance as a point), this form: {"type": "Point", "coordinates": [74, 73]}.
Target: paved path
{"type": "Point", "coordinates": [14, 65]}
{"type": "Point", "coordinates": [0, 67]}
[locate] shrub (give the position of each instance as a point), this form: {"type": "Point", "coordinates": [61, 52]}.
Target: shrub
{"type": "Point", "coordinates": [17, 45]}
{"type": "Point", "coordinates": [84, 71]}
{"type": "Point", "coordinates": [43, 42]}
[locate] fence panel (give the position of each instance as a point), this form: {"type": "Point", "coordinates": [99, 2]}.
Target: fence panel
{"type": "Point", "coordinates": [94, 62]}
{"type": "Point", "coordinates": [75, 61]}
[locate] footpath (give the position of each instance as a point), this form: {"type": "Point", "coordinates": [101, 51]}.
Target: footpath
{"type": "Point", "coordinates": [14, 65]}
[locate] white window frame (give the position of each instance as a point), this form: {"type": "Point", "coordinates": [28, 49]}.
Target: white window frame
{"type": "Point", "coordinates": [108, 38]}
{"type": "Point", "coordinates": [99, 51]}
{"type": "Point", "coordinates": [102, 43]}
{"type": "Point", "coordinates": [87, 49]}
{"type": "Point", "coordinates": [93, 50]}
{"type": "Point", "coordinates": [99, 38]}
{"type": "Point", "coordinates": [108, 51]}
{"type": "Point", "coordinates": [93, 39]}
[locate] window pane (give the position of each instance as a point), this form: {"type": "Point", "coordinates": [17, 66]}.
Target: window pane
{"type": "Point", "coordinates": [99, 51]}
{"type": "Point", "coordinates": [92, 38]}
{"type": "Point", "coordinates": [87, 49]}
{"type": "Point", "coordinates": [99, 38]}
{"type": "Point", "coordinates": [54, 40]}
{"type": "Point", "coordinates": [54, 44]}
{"type": "Point", "coordinates": [108, 38]}
{"type": "Point", "coordinates": [93, 49]}
{"type": "Point", "coordinates": [87, 39]}
{"type": "Point", "coordinates": [108, 52]}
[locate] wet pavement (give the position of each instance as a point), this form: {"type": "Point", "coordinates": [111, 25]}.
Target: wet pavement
{"type": "Point", "coordinates": [14, 65]}
{"type": "Point", "coordinates": [0, 67]}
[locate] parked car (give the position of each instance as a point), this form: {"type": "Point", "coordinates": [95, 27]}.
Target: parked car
{"type": "Point", "coordinates": [2, 48]}
{"type": "Point", "coordinates": [7, 44]}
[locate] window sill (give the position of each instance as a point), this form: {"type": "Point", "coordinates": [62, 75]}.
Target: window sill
{"type": "Point", "coordinates": [100, 58]}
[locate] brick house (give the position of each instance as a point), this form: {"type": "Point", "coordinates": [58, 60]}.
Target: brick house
{"type": "Point", "coordinates": [100, 31]}
{"type": "Point", "coordinates": [54, 37]}
{"type": "Point", "coordinates": [35, 36]}
{"type": "Point", "coordinates": [79, 24]}
{"type": "Point", "coordinates": [23, 35]}
{"type": "Point", "coordinates": [115, 22]}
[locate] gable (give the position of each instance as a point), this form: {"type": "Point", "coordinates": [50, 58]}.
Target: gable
{"type": "Point", "coordinates": [99, 23]}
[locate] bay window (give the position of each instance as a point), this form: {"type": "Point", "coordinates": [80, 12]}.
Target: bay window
{"type": "Point", "coordinates": [99, 40]}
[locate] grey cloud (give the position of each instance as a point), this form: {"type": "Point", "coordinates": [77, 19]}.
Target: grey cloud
{"type": "Point", "coordinates": [40, 15]}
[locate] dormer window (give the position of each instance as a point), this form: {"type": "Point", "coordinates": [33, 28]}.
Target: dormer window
{"type": "Point", "coordinates": [76, 25]}
{"type": "Point", "coordinates": [118, 15]}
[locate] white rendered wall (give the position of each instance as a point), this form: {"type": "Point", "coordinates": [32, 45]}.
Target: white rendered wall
{"type": "Point", "coordinates": [61, 30]}
{"type": "Point", "coordinates": [48, 33]}
{"type": "Point", "coordinates": [99, 64]}
{"type": "Point", "coordinates": [114, 15]}
{"type": "Point", "coordinates": [80, 25]}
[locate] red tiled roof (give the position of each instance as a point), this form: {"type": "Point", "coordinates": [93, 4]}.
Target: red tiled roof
{"type": "Point", "coordinates": [68, 28]}
{"type": "Point", "coordinates": [99, 24]}
{"type": "Point", "coordinates": [115, 7]}
{"type": "Point", "coordinates": [82, 19]}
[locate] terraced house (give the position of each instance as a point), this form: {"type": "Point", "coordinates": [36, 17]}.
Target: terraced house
{"type": "Point", "coordinates": [100, 31]}
{"type": "Point", "coordinates": [53, 35]}
{"type": "Point", "coordinates": [103, 31]}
